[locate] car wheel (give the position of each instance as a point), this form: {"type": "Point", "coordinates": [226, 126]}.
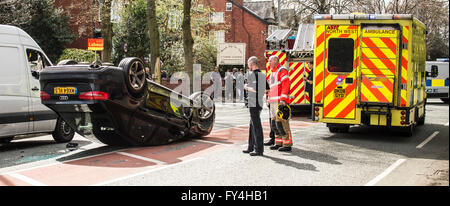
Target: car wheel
{"type": "Point", "coordinates": [63, 132]}
{"type": "Point", "coordinates": [205, 111]}
{"type": "Point", "coordinates": [135, 76]}
{"type": "Point", "coordinates": [67, 62]}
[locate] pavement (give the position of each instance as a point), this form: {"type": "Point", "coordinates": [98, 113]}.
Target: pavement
{"type": "Point", "coordinates": [364, 156]}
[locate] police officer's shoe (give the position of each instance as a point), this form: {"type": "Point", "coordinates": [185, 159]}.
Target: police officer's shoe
{"type": "Point", "coordinates": [285, 149]}
{"type": "Point", "coordinates": [270, 142]}
{"type": "Point", "coordinates": [256, 154]}
{"type": "Point", "coordinates": [246, 151]}
{"type": "Point", "coordinates": [275, 147]}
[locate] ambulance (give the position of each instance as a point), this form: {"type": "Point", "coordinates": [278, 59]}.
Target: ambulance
{"type": "Point", "coordinates": [296, 54]}
{"type": "Point", "coordinates": [369, 69]}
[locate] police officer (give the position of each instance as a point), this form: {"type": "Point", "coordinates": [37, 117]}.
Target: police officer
{"type": "Point", "coordinates": [279, 95]}
{"type": "Point", "coordinates": [255, 87]}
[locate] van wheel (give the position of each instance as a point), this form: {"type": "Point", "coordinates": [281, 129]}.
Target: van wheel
{"type": "Point", "coordinates": [135, 76]}
{"type": "Point", "coordinates": [63, 132]}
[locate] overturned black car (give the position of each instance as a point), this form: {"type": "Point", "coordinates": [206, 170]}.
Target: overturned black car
{"type": "Point", "coordinates": [120, 106]}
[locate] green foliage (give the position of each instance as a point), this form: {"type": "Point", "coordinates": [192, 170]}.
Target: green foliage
{"type": "Point", "coordinates": [47, 25]}
{"type": "Point", "coordinates": [132, 30]}
{"type": "Point", "coordinates": [79, 55]}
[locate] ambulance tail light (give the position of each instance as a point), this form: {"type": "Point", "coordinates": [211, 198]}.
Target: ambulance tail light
{"type": "Point", "coordinates": [403, 113]}
{"type": "Point", "coordinates": [317, 109]}
{"type": "Point", "coordinates": [403, 122]}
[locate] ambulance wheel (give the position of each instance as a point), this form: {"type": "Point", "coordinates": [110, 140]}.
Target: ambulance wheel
{"type": "Point", "coordinates": [338, 129]}
{"type": "Point", "coordinates": [445, 100]}
{"type": "Point", "coordinates": [408, 131]}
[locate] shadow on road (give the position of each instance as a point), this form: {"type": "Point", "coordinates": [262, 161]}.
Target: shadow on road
{"type": "Point", "coordinates": [300, 166]}
{"type": "Point", "coordinates": [395, 142]}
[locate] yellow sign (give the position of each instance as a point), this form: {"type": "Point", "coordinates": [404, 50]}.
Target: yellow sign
{"type": "Point", "coordinates": [95, 44]}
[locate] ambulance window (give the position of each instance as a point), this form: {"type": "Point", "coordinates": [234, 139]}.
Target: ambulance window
{"type": "Point", "coordinates": [340, 55]}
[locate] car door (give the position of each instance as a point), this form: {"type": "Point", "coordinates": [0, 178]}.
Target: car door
{"type": "Point", "coordinates": [14, 96]}
{"type": "Point", "coordinates": [341, 69]}
{"type": "Point", "coordinates": [43, 118]}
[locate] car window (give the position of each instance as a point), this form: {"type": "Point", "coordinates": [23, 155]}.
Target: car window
{"type": "Point", "coordinates": [10, 68]}
{"type": "Point", "coordinates": [340, 55]}
{"type": "Point", "coordinates": [36, 60]}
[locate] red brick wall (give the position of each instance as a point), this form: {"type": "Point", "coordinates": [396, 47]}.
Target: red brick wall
{"type": "Point", "coordinates": [82, 14]}
{"type": "Point", "coordinates": [243, 28]}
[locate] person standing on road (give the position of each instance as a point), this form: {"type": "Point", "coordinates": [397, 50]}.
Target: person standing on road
{"type": "Point", "coordinates": [240, 86]}
{"type": "Point", "coordinates": [279, 95]}
{"type": "Point", "coordinates": [309, 88]}
{"type": "Point", "coordinates": [229, 85]}
{"type": "Point", "coordinates": [256, 88]}
{"type": "Point", "coordinates": [216, 78]}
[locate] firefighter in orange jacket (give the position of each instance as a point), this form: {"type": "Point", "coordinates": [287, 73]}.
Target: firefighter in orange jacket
{"type": "Point", "coordinates": [279, 95]}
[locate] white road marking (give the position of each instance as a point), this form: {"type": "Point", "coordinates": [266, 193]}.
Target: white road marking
{"type": "Point", "coordinates": [145, 172]}
{"type": "Point", "coordinates": [427, 140]}
{"type": "Point", "coordinates": [27, 180]}
{"type": "Point", "coordinates": [385, 173]}
{"type": "Point", "coordinates": [141, 158]}
{"type": "Point", "coordinates": [212, 142]}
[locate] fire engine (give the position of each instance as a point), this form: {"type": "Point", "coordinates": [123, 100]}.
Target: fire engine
{"type": "Point", "coordinates": [296, 54]}
{"type": "Point", "coordinates": [369, 70]}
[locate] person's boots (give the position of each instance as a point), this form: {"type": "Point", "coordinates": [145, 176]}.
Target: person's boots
{"type": "Point", "coordinates": [270, 142]}
{"type": "Point", "coordinates": [285, 149]}
{"type": "Point", "coordinates": [274, 147]}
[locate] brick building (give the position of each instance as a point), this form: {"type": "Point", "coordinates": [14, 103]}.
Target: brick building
{"type": "Point", "coordinates": [244, 26]}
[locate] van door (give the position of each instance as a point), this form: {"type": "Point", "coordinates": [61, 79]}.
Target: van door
{"type": "Point", "coordinates": [43, 118]}
{"type": "Point", "coordinates": [379, 51]}
{"type": "Point", "coordinates": [341, 54]}
{"type": "Point", "coordinates": [14, 96]}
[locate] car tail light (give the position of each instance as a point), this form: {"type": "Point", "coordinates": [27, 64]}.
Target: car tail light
{"type": "Point", "coordinates": [94, 95]}
{"type": "Point", "coordinates": [45, 96]}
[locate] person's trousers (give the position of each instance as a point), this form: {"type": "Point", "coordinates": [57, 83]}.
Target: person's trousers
{"type": "Point", "coordinates": [256, 136]}
{"type": "Point", "coordinates": [282, 129]}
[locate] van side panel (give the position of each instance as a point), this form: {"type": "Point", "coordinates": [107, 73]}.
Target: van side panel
{"type": "Point", "coordinates": [14, 100]}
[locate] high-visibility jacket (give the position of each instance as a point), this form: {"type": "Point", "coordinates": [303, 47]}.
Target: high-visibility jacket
{"type": "Point", "coordinates": [279, 84]}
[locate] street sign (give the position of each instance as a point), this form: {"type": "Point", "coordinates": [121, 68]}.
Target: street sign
{"type": "Point", "coordinates": [231, 54]}
{"type": "Point", "coordinates": [95, 44]}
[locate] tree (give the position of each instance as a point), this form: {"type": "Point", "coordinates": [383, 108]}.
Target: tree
{"type": "Point", "coordinates": [107, 31]}
{"type": "Point", "coordinates": [153, 33]}
{"type": "Point", "coordinates": [131, 37]}
{"type": "Point", "coordinates": [47, 25]}
{"type": "Point", "coordinates": [188, 41]}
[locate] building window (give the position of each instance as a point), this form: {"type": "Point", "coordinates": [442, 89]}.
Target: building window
{"type": "Point", "coordinates": [217, 17]}
{"type": "Point", "coordinates": [229, 7]}
{"type": "Point", "coordinates": [218, 35]}
{"type": "Point", "coordinates": [341, 53]}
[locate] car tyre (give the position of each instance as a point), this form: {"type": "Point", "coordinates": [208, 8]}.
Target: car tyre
{"type": "Point", "coordinates": [134, 75]}
{"type": "Point", "coordinates": [205, 114]}
{"type": "Point", "coordinates": [67, 62]}
{"type": "Point", "coordinates": [63, 132]}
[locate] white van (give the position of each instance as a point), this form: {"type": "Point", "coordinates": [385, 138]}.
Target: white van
{"type": "Point", "coordinates": [21, 111]}
{"type": "Point", "coordinates": [437, 87]}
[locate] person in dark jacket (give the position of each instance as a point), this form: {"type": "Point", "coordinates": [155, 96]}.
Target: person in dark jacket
{"type": "Point", "coordinates": [256, 88]}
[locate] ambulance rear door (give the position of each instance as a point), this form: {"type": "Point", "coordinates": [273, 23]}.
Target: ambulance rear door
{"type": "Point", "coordinates": [379, 60]}
{"type": "Point", "coordinates": [340, 73]}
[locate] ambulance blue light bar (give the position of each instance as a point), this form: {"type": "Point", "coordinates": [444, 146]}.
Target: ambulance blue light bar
{"type": "Point", "coordinates": [363, 16]}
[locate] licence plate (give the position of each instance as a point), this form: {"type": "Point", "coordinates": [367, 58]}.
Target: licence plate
{"type": "Point", "coordinates": [65, 90]}
{"type": "Point", "coordinates": [339, 93]}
